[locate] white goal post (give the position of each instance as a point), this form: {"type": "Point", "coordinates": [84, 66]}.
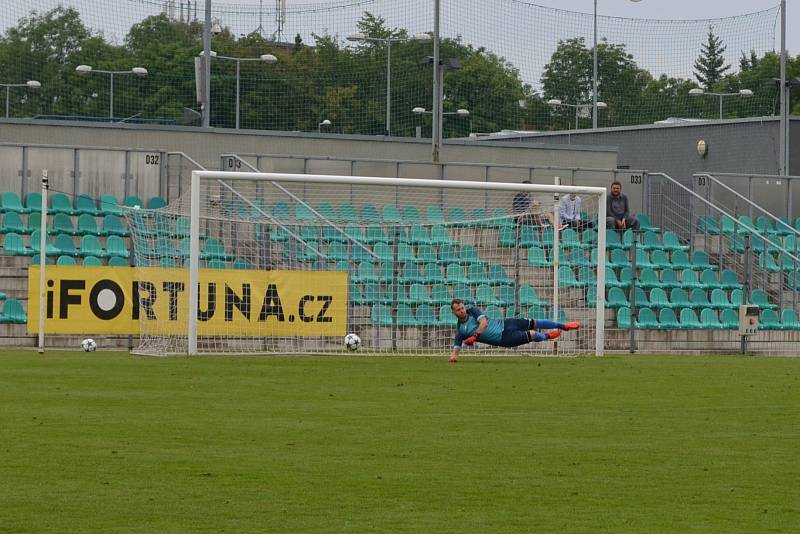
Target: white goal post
{"type": "Point", "coordinates": [230, 179]}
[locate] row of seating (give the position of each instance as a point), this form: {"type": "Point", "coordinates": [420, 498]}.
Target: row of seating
{"type": "Point", "coordinates": [426, 315]}
{"type": "Point", "coordinates": [443, 254]}
{"type": "Point", "coordinates": [86, 261]}
{"type": "Point", "coordinates": [84, 203]}
{"type": "Point", "coordinates": [764, 225]}
{"type": "Point", "coordinates": [666, 319]}
{"type": "Point", "coordinates": [483, 294]}
{"type": "Point", "coordinates": [13, 313]}
{"type": "Point", "coordinates": [61, 223]}
{"type": "Point", "coordinates": [681, 298]}
{"type": "Point", "coordinates": [14, 245]}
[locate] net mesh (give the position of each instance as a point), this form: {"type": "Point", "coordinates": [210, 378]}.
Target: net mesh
{"type": "Point", "coordinates": [407, 251]}
{"type": "Point", "coordinates": [515, 57]}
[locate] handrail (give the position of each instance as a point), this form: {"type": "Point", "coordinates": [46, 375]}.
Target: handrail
{"type": "Point", "coordinates": [747, 227]}
{"type": "Point", "coordinates": [187, 156]}
{"type": "Point", "coordinates": [748, 201]}
{"type": "Point", "coordinates": [297, 199]}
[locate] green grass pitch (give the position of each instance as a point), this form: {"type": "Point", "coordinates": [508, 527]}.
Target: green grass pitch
{"type": "Point", "coordinates": [108, 442]}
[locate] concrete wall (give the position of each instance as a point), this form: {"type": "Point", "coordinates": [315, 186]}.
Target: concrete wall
{"type": "Point", "coordinates": [205, 145]}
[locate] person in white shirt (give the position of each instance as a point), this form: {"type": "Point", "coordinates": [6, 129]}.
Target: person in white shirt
{"type": "Point", "coordinates": [569, 211]}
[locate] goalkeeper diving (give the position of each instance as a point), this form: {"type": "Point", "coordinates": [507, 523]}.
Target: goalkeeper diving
{"type": "Point", "coordinates": [473, 325]}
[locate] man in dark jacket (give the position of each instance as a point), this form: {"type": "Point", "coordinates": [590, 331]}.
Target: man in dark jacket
{"type": "Point", "coordinates": [618, 215]}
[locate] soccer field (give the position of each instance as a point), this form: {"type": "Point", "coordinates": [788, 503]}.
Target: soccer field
{"type": "Point", "coordinates": [108, 442]}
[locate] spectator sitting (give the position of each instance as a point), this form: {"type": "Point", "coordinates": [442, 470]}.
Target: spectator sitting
{"type": "Point", "coordinates": [569, 211]}
{"type": "Point", "coordinates": [521, 202]}
{"type": "Point", "coordinates": [618, 216]}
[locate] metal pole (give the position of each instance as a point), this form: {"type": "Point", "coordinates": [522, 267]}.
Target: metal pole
{"type": "Point", "coordinates": [42, 260]}
{"type": "Point", "coordinates": [194, 261]}
{"type": "Point", "coordinates": [111, 104]}
{"type": "Point", "coordinates": [632, 341]}
{"type": "Point", "coordinates": [437, 121]}
{"type": "Point", "coordinates": [8, 90]}
{"type": "Point", "coordinates": [594, 74]}
{"type": "Point", "coordinates": [238, 62]}
{"type": "Point", "coordinates": [720, 107]}
{"type": "Point", "coordinates": [783, 165]}
{"type": "Point", "coordinates": [389, 87]}
{"type": "Point", "coordinates": [207, 66]}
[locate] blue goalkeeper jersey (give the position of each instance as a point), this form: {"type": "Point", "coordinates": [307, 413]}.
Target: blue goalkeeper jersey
{"type": "Point", "coordinates": [493, 333]}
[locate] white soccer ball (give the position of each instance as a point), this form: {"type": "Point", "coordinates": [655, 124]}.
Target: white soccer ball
{"type": "Point", "coordinates": [89, 345]}
{"type": "Point", "coordinates": [352, 341]}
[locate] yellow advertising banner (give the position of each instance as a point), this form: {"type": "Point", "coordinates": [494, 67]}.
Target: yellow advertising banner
{"type": "Point", "coordinates": [115, 300]}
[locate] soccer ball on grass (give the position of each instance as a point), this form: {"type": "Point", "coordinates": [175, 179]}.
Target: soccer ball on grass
{"type": "Point", "coordinates": [89, 345]}
{"type": "Point", "coordinates": [352, 341]}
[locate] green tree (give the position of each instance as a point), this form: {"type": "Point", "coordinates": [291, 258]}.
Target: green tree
{"type": "Point", "coordinates": [710, 67]}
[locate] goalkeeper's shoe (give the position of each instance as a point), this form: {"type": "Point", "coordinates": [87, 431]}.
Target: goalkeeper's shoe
{"type": "Point", "coordinates": [553, 334]}
{"type": "Point", "coordinates": [574, 325]}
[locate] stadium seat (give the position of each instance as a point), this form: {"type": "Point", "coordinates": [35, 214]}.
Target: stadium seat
{"type": "Point", "coordinates": [651, 241]}
{"type": "Point", "coordinates": [85, 203]}
{"type": "Point", "coordinates": [35, 222]}
{"type": "Point", "coordinates": [700, 260]}
{"type": "Point", "coordinates": [616, 298]}
{"type": "Point", "coordinates": [61, 203]}
{"type": "Point", "coordinates": [484, 296]}
{"type": "Point", "coordinates": [347, 214]}
{"type": "Point", "coordinates": [365, 272]}
{"type": "Point", "coordinates": [469, 254]}
{"type": "Point", "coordinates": [62, 224]}
{"type": "Point", "coordinates": [729, 280]}
{"type": "Point", "coordinates": [737, 298]}
{"type": "Point", "coordinates": [464, 292]}
{"type": "Point", "coordinates": [13, 223]}
{"type": "Point", "coordinates": [66, 261]}
{"type": "Point", "coordinates": [405, 316]}
{"type": "Point", "coordinates": [440, 294]}
{"type": "Point", "coordinates": [432, 273]}
{"type": "Point", "coordinates": [566, 277]}
{"type": "Point", "coordinates": [528, 296]}
{"type": "Point", "coordinates": [36, 243]}
{"type": "Point", "coordinates": [494, 312]}
{"type": "Point", "coordinates": [699, 298]}
{"type": "Point", "coordinates": [92, 261]}
{"type": "Point", "coordinates": [728, 226]}
{"type": "Point", "coordinates": [116, 261]}
{"type": "Point", "coordinates": [375, 234]}
{"type": "Point", "coordinates": [66, 245]}
{"type": "Point", "coordinates": [641, 298]}
{"type": "Point", "coordinates": [619, 258]}
{"type": "Point", "coordinates": [497, 275]}
{"type": "Point", "coordinates": [729, 319]}
{"type": "Point", "coordinates": [647, 319]}
{"type": "Point", "coordinates": [769, 320]}
{"type": "Point", "coordinates": [13, 245]}
{"type": "Point", "coordinates": [709, 279]}
{"type": "Point", "coordinates": [133, 201]}
{"type": "Point", "coordinates": [667, 319]}
{"type": "Point", "coordinates": [87, 225]}
{"type": "Point", "coordinates": [625, 276]}
{"type": "Point", "coordinates": [337, 252]}
{"type": "Point", "coordinates": [612, 280]}
{"type": "Point", "coordinates": [689, 279]}
{"type": "Point", "coordinates": [391, 214]}
{"type": "Point", "coordinates": [767, 262]}
{"type": "Point", "coordinates": [446, 317]}
{"type": "Point", "coordinates": [658, 298]}
{"type": "Point", "coordinates": [669, 279]}
{"type": "Point", "coordinates": [759, 298]}
{"type": "Point", "coordinates": [115, 246]}
{"type": "Point", "coordinates": [506, 294]}
{"type": "Point", "coordinates": [448, 254]}
{"type": "Point", "coordinates": [90, 246]}
{"type": "Point", "coordinates": [789, 320]}
{"type": "Point", "coordinates": [416, 294]}
{"type": "Point", "coordinates": [643, 260]}
{"type": "Point", "coordinates": [369, 214]}
{"type": "Point", "coordinates": [680, 260]}
{"type": "Point", "coordinates": [10, 201]}
{"type": "Point", "coordinates": [501, 218]}
{"type": "Point", "coordinates": [476, 274]}
{"type": "Point", "coordinates": [411, 215]}
{"type": "Point", "coordinates": [457, 216]}
{"type": "Point", "coordinates": [213, 249]}
{"type": "Point", "coordinates": [788, 264]}
{"type": "Point", "coordinates": [719, 299]}
{"type": "Point", "coordinates": [660, 260]}
{"type": "Point", "coordinates": [434, 215]}
{"type": "Point", "coordinates": [405, 252]}
{"type": "Point", "coordinates": [624, 318]}
{"type": "Point", "coordinates": [455, 274]}
{"type": "Point", "coordinates": [784, 227]}
{"type": "Point", "coordinates": [538, 258]}
{"type": "Point", "coordinates": [671, 241]}
{"type": "Point", "coordinates": [440, 235]}
{"type": "Point", "coordinates": [689, 321]}
{"type": "Point", "coordinates": [109, 205]}
{"type": "Point", "coordinates": [708, 224]}
{"type": "Point", "coordinates": [613, 240]}
{"type": "Point", "coordinates": [156, 202]}
{"type": "Point", "coordinates": [745, 220]}
{"type": "Point", "coordinates": [679, 298]}
{"type": "Point", "coordinates": [381, 315]}
{"type": "Point", "coordinates": [419, 235]}
{"type": "Point", "coordinates": [480, 217]}
{"type": "Point", "coordinates": [13, 313]}
{"type": "Point", "coordinates": [425, 315]}
{"type": "Point", "coordinates": [569, 239]}
{"type": "Point", "coordinates": [36, 260]}
{"type": "Point", "coordinates": [645, 224]}
{"type": "Point", "coordinates": [709, 320]}
{"type": "Point", "coordinates": [33, 202]}
{"type": "Point", "coordinates": [648, 279]}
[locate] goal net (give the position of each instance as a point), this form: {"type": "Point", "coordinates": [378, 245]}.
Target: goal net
{"type": "Point", "coordinates": [284, 263]}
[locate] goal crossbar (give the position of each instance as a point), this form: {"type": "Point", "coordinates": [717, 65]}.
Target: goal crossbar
{"type": "Point", "coordinates": [199, 175]}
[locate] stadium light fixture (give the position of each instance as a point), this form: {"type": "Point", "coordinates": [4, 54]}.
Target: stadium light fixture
{"type": "Point", "coordinates": [325, 123]}
{"type": "Point", "coordinates": [263, 58]}
{"type": "Point", "coordinates": [139, 72]}
{"type": "Point", "coordinates": [460, 112]}
{"type": "Point", "coordinates": [363, 38]}
{"type": "Point", "coordinates": [700, 92]}
{"type": "Point", "coordinates": [586, 108]}
{"type": "Point", "coordinates": [30, 84]}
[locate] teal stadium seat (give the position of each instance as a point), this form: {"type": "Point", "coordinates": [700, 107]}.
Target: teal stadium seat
{"type": "Point", "coordinates": [710, 320]}
{"type": "Point", "coordinates": [13, 313]}
{"type": "Point", "coordinates": [769, 320]}
{"type": "Point", "coordinates": [87, 225]}
{"type": "Point", "coordinates": [36, 243]}
{"type": "Point", "coordinates": [61, 203]}
{"type": "Point", "coordinates": [85, 203]}
{"type": "Point", "coordinates": [13, 224]}
{"type": "Point", "coordinates": [658, 298]}
{"type": "Point", "coordinates": [425, 315]}
{"type": "Point", "coordinates": [667, 319]}
{"type": "Point", "coordinates": [10, 201]}
{"type": "Point", "coordinates": [671, 241]}
{"type": "Point", "coordinates": [115, 246]}
{"type": "Point", "coordinates": [116, 261]}
{"type": "Point", "coordinates": [729, 319]}
{"type": "Point", "coordinates": [689, 320]}
{"type": "Point", "coordinates": [14, 245]}
{"type": "Point", "coordinates": [789, 320]}
{"type": "Point", "coordinates": [109, 205]}
{"type": "Point", "coordinates": [90, 246]}
{"type": "Point", "coordinates": [68, 261]}
{"type": "Point", "coordinates": [33, 202]}
{"type": "Point", "coordinates": [66, 245]}
{"type": "Point", "coordinates": [645, 224]}
{"type": "Point", "coordinates": [381, 315]}
{"type": "Point", "coordinates": [35, 222]}
{"type": "Point", "coordinates": [679, 298]}
{"type": "Point", "coordinates": [759, 298]}
{"type": "Point", "coordinates": [699, 298]}
{"type": "Point", "coordinates": [616, 298]}
{"type": "Point", "coordinates": [156, 202]}
{"type": "Point", "coordinates": [92, 261]}
{"type": "Point", "coordinates": [132, 201]}
{"type": "Point", "coordinates": [624, 318]}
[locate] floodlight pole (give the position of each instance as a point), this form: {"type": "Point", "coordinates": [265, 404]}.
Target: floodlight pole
{"type": "Point", "coordinates": [207, 66]}
{"type": "Point", "coordinates": [43, 260]}
{"type": "Point", "coordinates": [437, 81]}
{"type": "Point", "coordinates": [594, 74]}
{"type": "Point", "coordinates": [783, 164]}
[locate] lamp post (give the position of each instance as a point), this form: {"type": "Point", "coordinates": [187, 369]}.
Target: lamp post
{"type": "Point", "coordinates": [556, 103]}
{"type": "Point", "coordinates": [459, 112]}
{"type": "Point", "coordinates": [700, 92]}
{"type": "Point", "coordinates": [83, 70]}
{"type": "Point", "coordinates": [264, 58]}
{"type": "Point", "coordinates": [30, 84]}
{"type": "Point", "coordinates": [325, 123]}
{"type": "Point", "coordinates": [594, 67]}
{"type": "Point", "coordinates": [360, 37]}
